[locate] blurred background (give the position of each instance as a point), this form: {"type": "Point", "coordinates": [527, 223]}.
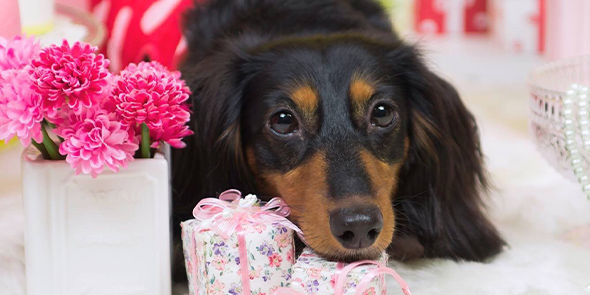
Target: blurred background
{"type": "Point", "coordinates": [486, 48]}
{"type": "Point", "coordinates": [494, 40]}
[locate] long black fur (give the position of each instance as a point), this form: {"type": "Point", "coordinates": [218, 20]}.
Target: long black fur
{"type": "Point", "coordinates": [439, 199]}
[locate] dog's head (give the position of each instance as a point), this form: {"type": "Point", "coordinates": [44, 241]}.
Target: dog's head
{"type": "Point", "coordinates": [328, 123]}
{"type": "Point", "coordinates": [325, 127]}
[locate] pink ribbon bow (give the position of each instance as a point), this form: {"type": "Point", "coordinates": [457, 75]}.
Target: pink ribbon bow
{"type": "Point", "coordinates": [364, 283]}
{"type": "Point", "coordinates": [225, 215]}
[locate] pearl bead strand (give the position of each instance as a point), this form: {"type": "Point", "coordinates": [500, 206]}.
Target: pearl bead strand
{"type": "Point", "coordinates": [578, 96]}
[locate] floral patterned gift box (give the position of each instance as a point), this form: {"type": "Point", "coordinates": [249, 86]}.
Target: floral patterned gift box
{"type": "Point", "coordinates": [314, 275]}
{"type": "Point", "coordinates": [238, 247]}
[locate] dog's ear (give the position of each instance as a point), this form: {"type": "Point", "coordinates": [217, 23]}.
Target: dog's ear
{"type": "Point", "coordinates": [213, 160]}
{"type": "Point", "coordinates": [441, 186]}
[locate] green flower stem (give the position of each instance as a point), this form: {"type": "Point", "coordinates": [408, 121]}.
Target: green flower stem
{"type": "Point", "coordinates": [42, 149]}
{"type": "Point", "coordinates": [50, 145]}
{"type": "Point", "coordinates": [145, 142]}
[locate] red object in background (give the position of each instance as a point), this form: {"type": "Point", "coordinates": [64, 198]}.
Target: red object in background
{"type": "Point", "coordinates": [452, 16]}
{"type": "Point", "coordinates": [542, 23]}
{"type": "Point", "coordinates": [520, 26]}
{"type": "Point", "coordinates": [142, 29]}
{"type": "Point", "coordinates": [477, 19]}
{"type": "Point", "coordinates": [430, 16]}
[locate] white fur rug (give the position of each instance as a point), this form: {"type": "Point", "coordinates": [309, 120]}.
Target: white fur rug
{"type": "Point", "coordinates": [535, 210]}
{"type": "Point", "coordinates": [541, 214]}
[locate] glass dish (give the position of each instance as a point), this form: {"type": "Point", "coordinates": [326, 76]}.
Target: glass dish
{"type": "Point", "coordinates": [560, 116]}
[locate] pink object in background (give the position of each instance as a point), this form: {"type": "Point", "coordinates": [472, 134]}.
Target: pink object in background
{"type": "Point", "coordinates": [10, 16]}
{"type": "Point", "coordinates": [519, 26]}
{"type": "Point", "coordinates": [143, 30]}
{"type": "Point", "coordinates": [80, 4]}
{"type": "Point", "coordinates": [451, 16]}
{"type": "Point", "coordinates": [568, 28]}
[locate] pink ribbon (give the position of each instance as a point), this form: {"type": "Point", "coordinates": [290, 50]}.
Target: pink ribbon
{"type": "Point", "coordinates": [230, 210]}
{"type": "Point", "coordinates": [225, 215]}
{"type": "Point", "coordinates": [243, 262]}
{"type": "Point", "coordinates": [364, 283]}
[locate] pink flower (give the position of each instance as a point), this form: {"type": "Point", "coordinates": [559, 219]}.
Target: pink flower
{"type": "Point", "coordinates": [259, 228]}
{"type": "Point", "coordinates": [275, 260]}
{"type": "Point", "coordinates": [73, 76]}
{"type": "Point", "coordinates": [370, 291]}
{"type": "Point", "coordinates": [20, 108]}
{"type": "Point", "coordinates": [217, 288]}
{"type": "Point", "coordinates": [255, 273]}
{"type": "Point", "coordinates": [314, 273]}
{"type": "Point", "coordinates": [94, 140]}
{"type": "Point", "coordinates": [148, 93]}
{"type": "Point", "coordinates": [16, 54]}
{"type": "Point", "coordinates": [333, 280]}
{"type": "Point", "coordinates": [219, 263]}
{"type": "Point", "coordinates": [283, 240]}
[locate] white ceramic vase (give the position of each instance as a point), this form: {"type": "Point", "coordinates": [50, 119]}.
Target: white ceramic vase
{"type": "Point", "coordinates": [85, 236]}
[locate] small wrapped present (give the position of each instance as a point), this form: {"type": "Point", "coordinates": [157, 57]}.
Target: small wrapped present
{"type": "Point", "coordinates": [238, 246]}
{"type": "Point", "coordinates": [314, 275]}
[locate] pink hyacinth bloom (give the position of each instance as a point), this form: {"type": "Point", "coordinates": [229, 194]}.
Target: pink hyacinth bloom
{"type": "Point", "coordinates": [17, 53]}
{"type": "Point", "coordinates": [149, 93]}
{"type": "Point", "coordinates": [20, 108]}
{"type": "Point", "coordinates": [73, 76]}
{"type": "Point", "coordinates": [95, 140]}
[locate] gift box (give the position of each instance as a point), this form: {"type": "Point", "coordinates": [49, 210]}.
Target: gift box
{"type": "Point", "coordinates": [237, 246]}
{"type": "Point", "coordinates": [519, 25]}
{"type": "Point", "coordinates": [314, 275]}
{"type": "Point", "coordinates": [451, 16]}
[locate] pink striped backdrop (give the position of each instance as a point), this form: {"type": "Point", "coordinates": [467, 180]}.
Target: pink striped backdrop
{"type": "Point", "coordinates": [568, 28]}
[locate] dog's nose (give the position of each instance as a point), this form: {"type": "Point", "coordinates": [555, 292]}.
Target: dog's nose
{"type": "Point", "coordinates": [356, 228]}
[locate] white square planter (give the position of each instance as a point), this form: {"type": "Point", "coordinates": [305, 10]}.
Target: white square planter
{"type": "Point", "coordinates": [103, 236]}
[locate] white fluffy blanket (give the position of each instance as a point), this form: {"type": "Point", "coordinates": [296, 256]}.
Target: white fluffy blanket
{"type": "Point", "coordinates": [544, 217]}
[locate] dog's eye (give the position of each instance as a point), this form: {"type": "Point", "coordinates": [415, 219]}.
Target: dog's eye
{"type": "Point", "coordinates": [284, 123]}
{"type": "Point", "coordinates": [383, 116]}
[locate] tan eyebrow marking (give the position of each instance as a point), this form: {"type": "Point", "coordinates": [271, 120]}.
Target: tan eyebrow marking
{"type": "Point", "coordinates": [305, 97]}
{"type": "Point", "coordinates": [361, 91]}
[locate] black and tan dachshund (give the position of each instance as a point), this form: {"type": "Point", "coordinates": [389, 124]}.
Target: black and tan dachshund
{"type": "Point", "coordinates": [321, 103]}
